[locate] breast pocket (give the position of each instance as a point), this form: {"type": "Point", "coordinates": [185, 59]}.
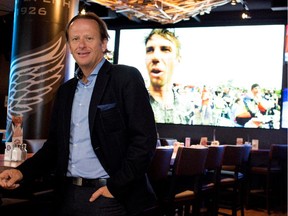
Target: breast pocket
{"type": "Point", "coordinates": [110, 118]}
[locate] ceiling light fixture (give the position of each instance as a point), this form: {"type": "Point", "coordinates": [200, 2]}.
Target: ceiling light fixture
{"type": "Point", "coordinates": [245, 14]}
{"type": "Point", "coordinates": [162, 11]}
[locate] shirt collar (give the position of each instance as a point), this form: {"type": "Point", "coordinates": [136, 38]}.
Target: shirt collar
{"type": "Point", "coordinates": [94, 73]}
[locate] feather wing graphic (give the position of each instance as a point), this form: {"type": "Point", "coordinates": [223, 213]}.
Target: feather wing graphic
{"type": "Point", "coordinates": [33, 77]}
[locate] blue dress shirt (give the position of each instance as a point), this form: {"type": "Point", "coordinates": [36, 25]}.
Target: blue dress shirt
{"type": "Point", "coordinates": [83, 161]}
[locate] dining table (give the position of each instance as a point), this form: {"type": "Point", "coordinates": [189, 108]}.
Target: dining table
{"type": "Point", "coordinates": [5, 164]}
{"type": "Point", "coordinates": [8, 197]}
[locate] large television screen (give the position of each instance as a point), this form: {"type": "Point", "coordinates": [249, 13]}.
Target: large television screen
{"type": "Point", "coordinates": [227, 76]}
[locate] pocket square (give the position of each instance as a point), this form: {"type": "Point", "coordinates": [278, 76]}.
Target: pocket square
{"type": "Point", "coordinates": [104, 107]}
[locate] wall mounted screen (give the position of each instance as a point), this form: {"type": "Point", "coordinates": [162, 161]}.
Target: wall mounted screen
{"type": "Point", "coordinates": [224, 76]}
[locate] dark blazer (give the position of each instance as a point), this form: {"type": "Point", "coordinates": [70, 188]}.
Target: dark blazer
{"type": "Point", "coordinates": [122, 129]}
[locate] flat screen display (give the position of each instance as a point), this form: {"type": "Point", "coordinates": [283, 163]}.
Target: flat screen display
{"type": "Point", "coordinates": [227, 76]}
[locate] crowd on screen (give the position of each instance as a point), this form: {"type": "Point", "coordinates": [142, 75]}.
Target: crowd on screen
{"type": "Point", "coordinates": [220, 106]}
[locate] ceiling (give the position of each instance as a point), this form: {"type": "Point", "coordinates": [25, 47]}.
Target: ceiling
{"type": "Point", "coordinates": [264, 7]}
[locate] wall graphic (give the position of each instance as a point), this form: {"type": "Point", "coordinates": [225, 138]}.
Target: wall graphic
{"type": "Point", "coordinates": [38, 62]}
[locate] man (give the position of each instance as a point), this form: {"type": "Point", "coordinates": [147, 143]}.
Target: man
{"type": "Point", "coordinates": [206, 111]}
{"type": "Point", "coordinates": [162, 57]}
{"type": "Point", "coordinates": [102, 134]}
{"type": "Point", "coordinates": [251, 111]}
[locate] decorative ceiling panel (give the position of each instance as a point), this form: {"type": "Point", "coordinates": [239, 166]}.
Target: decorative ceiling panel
{"type": "Point", "coordinates": [165, 11]}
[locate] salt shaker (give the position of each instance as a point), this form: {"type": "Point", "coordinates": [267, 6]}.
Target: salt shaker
{"type": "Point", "coordinates": [8, 151]}
{"type": "Point", "coordinates": [23, 151]}
{"type": "Point", "coordinates": [16, 153]}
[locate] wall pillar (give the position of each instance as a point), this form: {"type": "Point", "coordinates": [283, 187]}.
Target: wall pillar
{"type": "Point", "coordinates": [39, 62]}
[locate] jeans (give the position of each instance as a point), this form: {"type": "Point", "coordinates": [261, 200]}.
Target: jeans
{"type": "Point", "coordinates": [76, 203]}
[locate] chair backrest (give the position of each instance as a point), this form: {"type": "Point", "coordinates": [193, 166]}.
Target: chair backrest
{"type": "Point", "coordinates": [247, 151]}
{"type": "Point", "coordinates": [246, 158]}
{"type": "Point", "coordinates": [167, 141]}
{"type": "Point", "coordinates": [233, 155]}
{"type": "Point", "coordinates": [33, 145]}
{"type": "Point", "coordinates": [214, 157]}
{"type": "Point", "coordinates": [278, 155]}
{"type": "Point", "coordinates": [163, 142]}
{"type": "Point", "coordinates": [190, 161]}
{"type": "Point", "coordinates": [160, 164]}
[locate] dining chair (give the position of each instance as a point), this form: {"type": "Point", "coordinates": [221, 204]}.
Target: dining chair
{"type": "Point", "coordinates": [244, 169]}
{"type": "Point", "coordinates": [211, 179]}
{"type": "Point", "coordinates": [158, 170]}
{"type": "Point", "coordinates": [273, 174]}
{"type": "Point", "coordinates": [232, 179]}
{"type": "Point", "coordinates": [185, 182]}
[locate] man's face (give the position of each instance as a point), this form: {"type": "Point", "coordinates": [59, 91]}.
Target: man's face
{"type": "Point", "coordinates": [161, 59]}
{"type": "Point", "coordinates": [85, 43]}
{"type": "Point", "coordinates": [256, 90]}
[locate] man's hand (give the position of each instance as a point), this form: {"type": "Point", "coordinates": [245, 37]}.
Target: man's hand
{"type": "Point", "coordinates": [101, 191]}
{"type": "Point", "coordinates": [9, 179]}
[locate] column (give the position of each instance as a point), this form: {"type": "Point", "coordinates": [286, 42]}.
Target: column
{"type": "Point", "coordinates": [39, 62]}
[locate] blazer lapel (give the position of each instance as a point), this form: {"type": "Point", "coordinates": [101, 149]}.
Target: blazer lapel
{"type": "Point", "coordinates": [68, 109]}
{"type": "Point", "coordinates": [99, 89]}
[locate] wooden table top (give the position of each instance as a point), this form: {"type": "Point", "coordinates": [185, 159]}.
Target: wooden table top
{"type": "Point", "coordinates": [10, 164]}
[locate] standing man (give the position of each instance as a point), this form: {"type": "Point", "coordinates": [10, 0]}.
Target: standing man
{"type": "Point", "coordinates": [206, 112]}
{"type": "Point", "coordinates": [162, 57]}
{"type": "Point", "coordinates": [102, 134]}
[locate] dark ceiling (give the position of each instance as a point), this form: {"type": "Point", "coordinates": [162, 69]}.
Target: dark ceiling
{"type": "Point", "coordinates": [266, 11]}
